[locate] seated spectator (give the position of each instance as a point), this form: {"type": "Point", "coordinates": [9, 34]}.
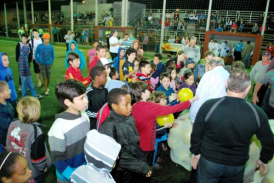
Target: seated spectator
{"type": "Point", "coordinates": [228, 24]}
{"type": "Point", "coordinates": [255, 29]}
{"type": "Point", "coordinates": [220, 28]}
{"type": "Point", "coordinates": [261, 28]}
{"type": "Point", "coordinates": [195, 18]}
{"type": "Point", "coordinates": [260, 19]}
{"type": "Point", "coordinates": [233, 27]}
{"type": "Point", "coordinates": [191, 17]}
{"type": "Point", "coordinates": [176, 16]}
{"type": "Point", "coordinates": [179, 26]}
{"type": "Point", "coordinates": [171, 39]}
{"type": "Point", "coordinates": [241, 25]}
{"type": "Point", "coordinates": [202, 16]}
{"type": "Point", "coordinates": [202, 25]}
{"type": "Point", "coordinates": [186, 17]}
{"type": "Point", "coordinates": [220, 21]}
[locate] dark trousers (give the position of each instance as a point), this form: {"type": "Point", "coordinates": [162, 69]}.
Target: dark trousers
{"type": "Point", "coordinates": [237, 55]}
{"type": "Point", "coordinates": [93, 123]}
{"type": "Point", "coordinates": [145, 47]}
{"type": "Point", "coordinates": [270, 112]}
{"type": "Point", "coordinates": [113, 55]}
{"type": "Point", "coordinates": [40, 178]}
{"type": "Point", "coordinates": [265, 103]}
{"type": "Point", "coordinates": [261, 94]}
{"type": "Point", "coordinates": [67, 46]}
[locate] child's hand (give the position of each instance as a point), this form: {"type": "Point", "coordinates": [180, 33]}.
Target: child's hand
{"type": "Point", "coordinates": [149, 173]}
{"type": "Point", "coordinates": [168, 125]}
{"type": "Point", "coordinates": [175, 125]}
{"type": "Point", "coordinates": [46, 169]}
{"type": "Point", "coordinates": [194, 98]}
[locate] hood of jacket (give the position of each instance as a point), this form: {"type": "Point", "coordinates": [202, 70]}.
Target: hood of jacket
{"type": "Point", "coordinates": [119, 50]}
{"type": "Point", "coordinates": [1, 63]}
{"type": "Point", "coordinates": [79, 52]}
{"type": "Point", "coordinates": [115, 84]}
{"type": "Point", "coordinates": [95, 144]}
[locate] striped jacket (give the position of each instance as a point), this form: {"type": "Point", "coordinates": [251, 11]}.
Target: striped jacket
{"type": "Point", "coordinates": [67, 136]}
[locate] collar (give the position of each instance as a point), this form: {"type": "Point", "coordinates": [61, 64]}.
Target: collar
{"type": "Point", "coordinates": [266, 63]}
{"type": "Point", "coordinates": [93, 87]}
{"type": "Point", "coordinates": [118, 116]}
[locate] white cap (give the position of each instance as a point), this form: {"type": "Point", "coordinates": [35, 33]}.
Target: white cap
{"type": "Point", "coordinates": [103, 62]}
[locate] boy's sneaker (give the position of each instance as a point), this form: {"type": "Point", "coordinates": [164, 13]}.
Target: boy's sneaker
{"type": "Point", "coordinates": [20, 88]}
{"type": "Point", "coordinates": [158, 160]}
{"type": "Point", "coordinates": [156, 166]}
{"type": "Point", "coordinates": [46, 93]}
{"type": "Point", "coordinates": [39, 96]}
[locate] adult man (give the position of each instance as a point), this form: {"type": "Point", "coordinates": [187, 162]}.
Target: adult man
{"type": "Point", "coordinates": [246, 54]}
{"type": "Point", "coordinates": [131, 38]}
{"type": "Point", "coordinates": [211, 44]}
{"type": "Point", "coordinates": [202, 68]}
{"type": "Point", "coordinates": [212, 85]}
{"type": "Point", "coordinates": [222, 132]}
{"type": "Point", "coordinates": [238, 51]}
{"type": "Point", "coordinates": [68, 37]}
{"type": "Point", "coordinates": [55, 32]}
{"type": "Point", "coordinates": [192, 50]}
{"type": "Point", "coordinates": [126, 42]}
{"type": "Point", "coordinates": [171, 40]}
{"type": "Point", "coordinates": [114, 45]}
{"type": "Point", "coordinates": [35, 41]}
{"type": "Point", "coordinates": [258, 72]}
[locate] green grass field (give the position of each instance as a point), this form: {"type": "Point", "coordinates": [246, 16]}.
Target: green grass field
{"type": "Point", "coordinates": [170, 172]}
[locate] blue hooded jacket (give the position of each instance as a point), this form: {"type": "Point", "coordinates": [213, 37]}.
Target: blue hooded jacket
{"type": "Point", "coordinates": [82, 59]}
{"type": "Point", "coordinates": [115, 84]}
{"type": "Point", "coordinates": [116, 60]}
{"type": "Point", "coordinates": [6, 75]}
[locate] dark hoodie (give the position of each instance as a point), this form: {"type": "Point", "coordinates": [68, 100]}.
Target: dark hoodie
{"type": "Point", "coordinates": [82, 59]}
{"type": "Point", "coordinates": [117, 59]}
{"type": "Point", "coordinates": [6, 75]}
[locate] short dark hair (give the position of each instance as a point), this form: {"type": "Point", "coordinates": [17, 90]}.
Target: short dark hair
{"type": "Point", "coordinates": [126, 34]}
{"type": "Point", "coordinates": [114, 96]}
{"type": "Point", "coordinates": [170, 69]}
{"type": "Point", "coordinates": [136, 90]}
{"type": "Point", "coordinates": [143, 62]}
{"type": "Point", "coordinates": [248, 42]}
{"type": "Point", "coordinates": [96, 71]}
{"type": "Point", "coordinates": [99, 47]}
{"type": "Point", "coordinates": [164, 75]}
{"type": "Point", "coordinates": [112, 72]}
{"type": "Point", "coordinates": [209, 53]}
{"type": "Point", "coordinates": [72, 56]}
{"type": "Point", "coordinates": [34, 30]}
{"type": "Point", "coordinates": [25, 35]}
{"type": "Point", "coordinates": [168, 56]}
{"type": "Point", "coordinates": [95, 40]}
{"type": "Point", "coordinates": [68, 89]}
{"type": "Point", "coordinates": [187, 75]}
{"type": "Point", "coordinates": [8, 168]}
{"type": "Point", "coordinates": [170, 63]}
{"type": "Point", "coordinates": [130, 50]}
{"type": "Point", "coordinates": [157, 96]}
{"type": "Point", "coordinates": [158, 55]}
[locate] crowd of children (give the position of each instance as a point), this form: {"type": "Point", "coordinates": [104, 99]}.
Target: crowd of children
{"type": "Point", "coordinates": [119, 108]}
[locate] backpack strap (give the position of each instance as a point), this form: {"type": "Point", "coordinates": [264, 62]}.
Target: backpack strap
{"type": "Point", "coordinates": [213, 108]}
{"type": "Point", "coordinates": [35, 131]}
{"type": "Point", "coordinates": [255, 113]}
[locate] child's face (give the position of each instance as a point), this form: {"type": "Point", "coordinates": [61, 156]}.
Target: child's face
{"type": "Point", "coordinates": [78, 104]}
{"type": "Point", "coordinates": [107, 55]}
{"type": "Point", "coordinates": [72, 47]}
{"type": "Point", "coordinates": [181, 57]}
{"type": "Point", "coordinates": [136, 66]}
{"type": "Point", "coordinates": [95, 44]}
{"type": "Point", "coordinates": [5, 60]}
{"type": "Point", "coordinates": [5, 94]}
{"type": "Point", "coordinates": [22, 173]}
{"type": "Point", "coordinates": [165, 82]}
{"type": "Point", "coordinates": [146, 69]}
{"type": "Point", "coordinates": [124, 107]}
{"type": "Point", "coordinates": [131, 57]}
{"type": "Point", "coordinates": [102, 79]}
{"type": "Point", "coordinates": [135, 46]}
{"type": "Point", "coordinates": [107, 67]}
{"type": "Point", "coordinates": [122, 53]}
{"type": "Point", "coordinates": [101, 53]}
{"type": "Point", "coordinates": [163, 102]}
{"type": "Point", "coordinates": [173, 74]}
{"type": "Point", "coordinates": [75, 63]}
{"type": "Point", "coordinates": [115, 77]}
{"type": "Point", "coordinates": [156, 60]}
{"type": "Point", "coordinates": [191, 66]}
{"type": "Point", "coordinates": [24, 40]}
{"type": "Point", "coordinates": [46, 41]}
{"type": "Point", "coordinates": [145, 95]}
{"type": "Point", "coordinates": [190, 80]}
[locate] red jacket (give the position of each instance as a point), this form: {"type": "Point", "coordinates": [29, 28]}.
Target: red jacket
{"type": "Point", "coordinates": [92, 63]}
{"type": "Point", "coordinates": [142, 77]}
{"type": "Point", "coordinates": [145, 114]}
{"type": "Point", "coordinates": [270, 49]}
{"type": "Point", "coordinates": [73, 73]}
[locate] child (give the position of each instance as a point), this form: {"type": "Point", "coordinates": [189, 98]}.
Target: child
{"type": "Point", "coordinates": [99, 165]}
{"type": "Point", "coordinates": [189, 82]}
{"type": "Point", "coordinates": [160, 67]}
{"type": "Point", "coordinates": [113, 73]}
{"type": "Point", "coordinates": [119, 61]}
{"type": "Point", "coordinates": [28, 57]}
{"type": "Point", "coordinates": [100, 53]}
{"type": "Point", "coordinates": [21, 135]}
{"type": "Point", "coordinates": [6, 75]}
{"type": "Point", "coordinates": [73, 72]}
{"type": "Point", "coordinates": [137, 46]}
{"type": "Point", "coordinates": [173, 81]}
{"type": "Point", "coordinates": [24, 69]}
{"type": "Point", "coordinates": [165, 87]}
{"type": "Point", "coordinates": [128, 67]}
{"type": "Point", "coordinates": [73, 47]}
{"type": "Point", "coordinates": [107, 55]}
{"type": "Point", "coordinates": [44, 56]}
{"type": "Point", "coordinates": [92, 52]}
{"type": "Point", "coordinates": [7, 111]}
{"type": "Point", "coordinates": [68, 133]}
{"type": "Point", "coordinates": [12, 166]}
{"type": "Point", "coordinates": [120, 125]}
{"type": "Point", "coordinates": [145, 114]}
{"type": "Point", "coordinates": [153, 81]}
{"type": "Point", "coordinates": [168, 57]}
{"type": "Point", "coordinates": [144, 67]}
{"type": "Point", "coordinates": [107, 64]}
{"type": "Point", "coordinates": [96, 93]}
{"type": "Point", "coordinates": [190, 64]}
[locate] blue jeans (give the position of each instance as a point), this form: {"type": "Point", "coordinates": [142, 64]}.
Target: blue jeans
{"type": "Point", "coordinates": [27, 83]}
{"type": "Point", "coordinates": [241, 28]}
{"type": "Point", "coordinates": [209, 172]}
{"type": "Point", "coordinates": [246, 60]}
